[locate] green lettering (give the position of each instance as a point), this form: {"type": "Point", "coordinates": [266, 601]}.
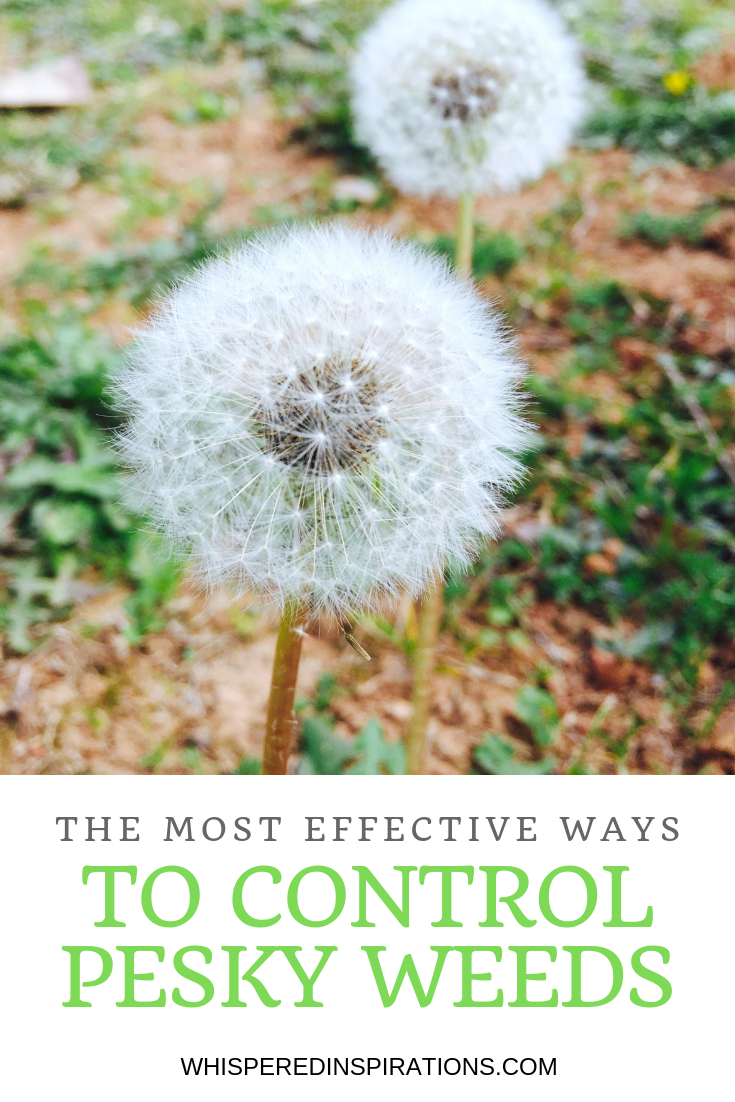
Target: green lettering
{"type": "Point", "coordinates": [237, 903]}
{"type": "Point", "coordinates": [307, 982]}
{"type": "Point", "coordinates": [340, 895]}
{"type": "Point", "coordinates": [653, 977]}
{"type": "Point", "coordinates": [75, 971]}
{"type": "Point", "coordinates": [196, 977]}
{"type": "Point", "coordinates": [545, 891]}
{"type": "Point", "coordinates": [128, 952]}
{"type": "Point", "coordinates": [575, 951]}
{"type": "Point", "coordinates": [523, 976]}
{"type": "Point", "coordinates": [366, 877]}
{"type": "Point", "coordinates": [408, 968]}
{"type": "Point", "coordinates": [446, 875]}
{"type": "Point", "coordinates": [491, 874]}
{"type": "Point", "coordinates": [109, 871]}
{"type": "Point", "coordinates": [616, 906]}
{"type": "Point", "coordinates": [233, 951]}
{"type": "Point", "coordinates": [468, 976]}
{"type": "Point", "coordinates": [146, 896]}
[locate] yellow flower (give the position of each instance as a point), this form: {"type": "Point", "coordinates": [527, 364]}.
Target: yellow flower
{"type": "Point", "coordinates": [677, 81]}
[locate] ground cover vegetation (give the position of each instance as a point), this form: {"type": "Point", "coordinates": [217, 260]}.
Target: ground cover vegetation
{"type": "Point", "coordinates": [597, 634]}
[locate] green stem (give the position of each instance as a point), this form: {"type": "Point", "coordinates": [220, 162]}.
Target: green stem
{"type": "Point", "coordinates": [279, 727]}
{"type": "Point", "coordinates": [432, 606]}
{"type": "Point", "coordinates": [465, 234]}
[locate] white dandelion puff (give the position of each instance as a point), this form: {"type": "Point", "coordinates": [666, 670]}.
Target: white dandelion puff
{"type": "Point", "coordinates": [467, 95]}
{"type": "Point", "coordinates": [324, 416]}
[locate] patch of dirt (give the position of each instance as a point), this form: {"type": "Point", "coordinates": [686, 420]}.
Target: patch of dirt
{"type": "Point", "coordinates": [716, 69]}
{"type": "Point", "coordinates": [698, 281]}
{"type": "Point", "coordinates": [16, 229]}
{"type": "Point", "coordinates": [88, 702]}
{"type": "Point", "coordinates": [193, 697]}
{"type": "Point", "coordinates": [246, 158]}
{"type": "Point", "coordinates": [717, 751]}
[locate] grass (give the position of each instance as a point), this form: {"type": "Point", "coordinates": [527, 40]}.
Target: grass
{"type": "Point", "coordinates": [697, 128]}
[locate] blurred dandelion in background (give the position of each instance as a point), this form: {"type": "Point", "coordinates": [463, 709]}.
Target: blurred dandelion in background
{"type": "Point", "coordinates": [467, 95]}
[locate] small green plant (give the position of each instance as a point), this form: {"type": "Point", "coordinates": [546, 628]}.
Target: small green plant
{"type": "Point", "coordinates": [537, 709]}
{"type": "Point", "coordinates": [46, 154]}
{"type": "Point", "coordinates": [247, 767]}
{"type": "Point", "coordinates": [325, 753]}
{"type": "Point", "coordinates": [151, 763]}
{"type": "Point", "coordinates": [495, 755]}
{"type": "Point", "coordinates": [205, 106]}
{"type": "Point", "coordinates": [368, 754]}
{"type": "Point", "coordinates": [60, 511]}
{"type": "Point", "coordinates": [492, 254]}
{"type": "Point", "coordinates": [156, 579]}
{"type": "Point", "coordinates": [698, 129]}
{"type": "Point", "coordinates": [59, 494]}
{"type": "Point", "coordinates": [662, 229]}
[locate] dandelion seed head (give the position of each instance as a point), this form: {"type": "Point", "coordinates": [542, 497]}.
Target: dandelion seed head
{"type": "Point", "coordinates": [452, 95]}
{"type": "Point", "coordinates": [339, 479]}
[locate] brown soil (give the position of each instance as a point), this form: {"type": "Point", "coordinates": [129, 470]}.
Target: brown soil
{"type": "Point", "coordinates": [716, 69]}
{"type": "Point", "coordinates": [86, 701]}
{"type": "Point", "coordinates": [193, 696]}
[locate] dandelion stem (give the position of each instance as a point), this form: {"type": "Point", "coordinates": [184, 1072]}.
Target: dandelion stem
{"type": "Point", "coordinates": [424, 661]}
{"type": "Point", "coordinates": [465, 234]}
{"type": "Point", "coordinates": [432, 606]}
{"type": "Point", "coordinates": [279, 728]}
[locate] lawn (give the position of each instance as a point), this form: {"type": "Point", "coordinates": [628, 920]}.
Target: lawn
{"type": "Point", "coordinates": [598, 634]}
